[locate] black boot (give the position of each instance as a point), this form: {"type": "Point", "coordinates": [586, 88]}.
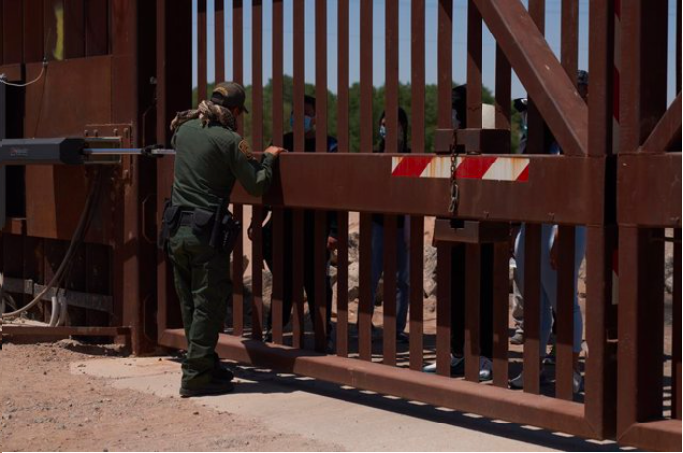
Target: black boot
{"type": "Point", "coordinates": [215, 387]}
{"type": "Point", "coordinates": [221, 373]}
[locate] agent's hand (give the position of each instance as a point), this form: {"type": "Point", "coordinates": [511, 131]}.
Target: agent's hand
{"type": "Point", "coordinates": [331, 243]}
{"type": "Point", "coordinates": [275, 150]}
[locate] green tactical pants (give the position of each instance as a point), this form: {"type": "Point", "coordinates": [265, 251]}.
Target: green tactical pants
{"type": "Point", "coordinates": [202, 281]}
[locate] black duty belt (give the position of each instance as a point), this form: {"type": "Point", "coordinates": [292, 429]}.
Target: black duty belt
{"type": "Point", "coordinates": [186, 218]}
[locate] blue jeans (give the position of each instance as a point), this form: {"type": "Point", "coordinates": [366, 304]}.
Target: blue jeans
{"type": "Point", "coordinates": [402, 271]}
{"type": "Point", "coordinates": [549, 280]}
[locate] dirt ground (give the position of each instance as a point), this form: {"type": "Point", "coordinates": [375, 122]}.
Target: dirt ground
{"type": "Point", "coordinates": [46, 408]}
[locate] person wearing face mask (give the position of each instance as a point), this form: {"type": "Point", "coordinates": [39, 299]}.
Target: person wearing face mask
{"type": "Point", "coordinates": [458, 266]}
{"type": "Point", "coordinates": [309, 227]}
{"type": "Point", "coordinates": [402, 236]}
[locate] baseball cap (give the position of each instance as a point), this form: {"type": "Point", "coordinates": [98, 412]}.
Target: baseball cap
{"type": "Point", "coordinates": [230, 95]}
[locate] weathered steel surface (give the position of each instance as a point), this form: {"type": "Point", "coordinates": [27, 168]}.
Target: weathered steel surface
{"type": "Point", "coordinates": [302, 173]}
{"type": "Point", "coordinates": [439, 391]}
{"type": "Point", "coordinates": [647, 180]}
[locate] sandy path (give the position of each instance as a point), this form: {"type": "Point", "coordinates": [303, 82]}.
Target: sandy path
{"type": "Point", "coordinates": [45, 407]}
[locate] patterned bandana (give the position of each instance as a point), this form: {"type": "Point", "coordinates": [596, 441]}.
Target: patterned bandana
{"type": "Point", "coordinates": [207, 112]}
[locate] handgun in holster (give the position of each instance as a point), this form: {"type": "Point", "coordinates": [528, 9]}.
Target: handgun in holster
{"type": "Point", "coordinates": [226, 229]}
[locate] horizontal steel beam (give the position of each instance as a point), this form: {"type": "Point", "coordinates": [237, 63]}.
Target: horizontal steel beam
{"type": "Point", "coordinates": [557, 189]}
{"type": "Point", "coordinates": [487, 400]}
{"type": "Point", "coordinates": [47, 331]}
{"type": "Point", "coordinates": [663, 435]}
{"type": "Point", "coordinates": [649, 190]}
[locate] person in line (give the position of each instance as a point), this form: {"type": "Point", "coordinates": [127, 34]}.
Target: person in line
{"type": "Point", "coordinates": [458, 278]}
{"type": "Point", "coordinates": [549, 258]}
{"type": "Point", "coordinates": [518, 300]}
{"type": "Point", "coordinates": [402, 236]}
{"type": "Point", "coordinates": [309, 236]}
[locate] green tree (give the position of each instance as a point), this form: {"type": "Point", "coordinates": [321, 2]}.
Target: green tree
{"type": "Point", "coordinates": [378, 104]}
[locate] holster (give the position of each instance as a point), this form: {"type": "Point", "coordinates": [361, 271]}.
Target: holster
{"type": "Point", "coordinates": [226, 229]}
{"type": "Point", "coordinates": [169, 224]}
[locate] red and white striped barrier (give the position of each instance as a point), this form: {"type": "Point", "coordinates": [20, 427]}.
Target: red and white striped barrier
{"type": "Point", "coordinates": [486, 168]}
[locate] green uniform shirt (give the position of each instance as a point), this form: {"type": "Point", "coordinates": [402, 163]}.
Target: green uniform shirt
{"type": "Point", "coordinates": [209, 160]}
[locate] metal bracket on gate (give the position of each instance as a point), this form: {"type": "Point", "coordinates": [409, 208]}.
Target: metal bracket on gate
{"type": "Point", "coordinates": [470, 231]}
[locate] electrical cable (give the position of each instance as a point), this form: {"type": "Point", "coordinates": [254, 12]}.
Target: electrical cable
{"type": "Point", "coordinates": [76, 240]}
{"type": "Point", "coordinates": [22, 85]}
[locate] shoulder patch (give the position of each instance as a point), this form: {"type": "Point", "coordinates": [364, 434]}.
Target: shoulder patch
{"type": "Point", "coordinates": [244, 148]}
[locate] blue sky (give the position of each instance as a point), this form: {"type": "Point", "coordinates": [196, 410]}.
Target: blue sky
{"type": "Point", "coordinates": [459, 41]}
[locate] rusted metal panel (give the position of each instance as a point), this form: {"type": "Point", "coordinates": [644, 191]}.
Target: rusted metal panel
{"type": "Point", "coordinates": [503, 81]}
{"type": "Point", "coordinates": [237, 266]}
{"type": "Point", "coordinates": [278, 271]}
{"type": "Point", "coordinates": [642, 87]}
{"type": "Point", "coordinates": [390, 298]}
{"type": "Point", "coordinates": [416, 266]}
{"type": "Point", "coordinates": [87, 81]}
{"type": "Point", "coordinates": [663, 435]}
{"type": "Point", "coordinates": [96, 27]}
{"type": "Point", "coordinates": [417, 75]}
{"type": "Point", "coordinates": [444, 63]}
{"type": "Point", "coordinates": [501, 305]}
{"type": "Point", "coordinates": [645, 181]}
{"type": "Point", "coordinates": [366, 296]}
{"type": "Point", "coordinates": [485, 200]}
{"type": "Point", "coordinates": [74, 31]}
{"type": "Point", "coordinates": [319, 311]}
{"type": "Point", "coordinates": [443, 308]}
{"type": "Point", "coordinates": [342, 345]}
{"type": "Point", "coordinates": [33, 30]}
{"type": "Point", "coordinates": [342, 340]}
{"type": "Point", "coordinates": [12, 331]}
{"type": "Point", "coordinates": [473, 300]}
{"type": "Point", "coordinates": [219, 40]}
{"type": "Point", "coordinates": [641, 330]}
{"type": "Point", "coordinates": [676, 332]}
{"type": "Point", "coordinates": [565, 312]}
{"type": "Point", "coordinates": [474, 42]}
{"type": "Point", "coordinates": [532, 308]}
{"type": "Point", "coordinates": [201, 51]}
{"type": "Point", "coordinates": [12, 33]}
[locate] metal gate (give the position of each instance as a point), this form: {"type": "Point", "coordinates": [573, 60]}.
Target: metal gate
{"type": "Point", "coordinates": [119, 67]}
{"type": "Point", "coordinates": [391, 185]}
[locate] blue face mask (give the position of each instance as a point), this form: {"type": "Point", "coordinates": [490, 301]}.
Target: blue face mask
{"type": "Point", "coordinates": [307, 122]}
{"type": "Point", "coordinates": [383, 132]}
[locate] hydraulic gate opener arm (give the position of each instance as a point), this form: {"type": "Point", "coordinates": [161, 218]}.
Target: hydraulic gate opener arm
{"type": "Point", "coordinates": [69, 151]}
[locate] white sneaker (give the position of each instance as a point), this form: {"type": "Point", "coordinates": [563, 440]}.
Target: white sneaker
{"type": "Point", "coordinates": [455, 362]}
{"type": "Point", "coordinates": [485, 369]}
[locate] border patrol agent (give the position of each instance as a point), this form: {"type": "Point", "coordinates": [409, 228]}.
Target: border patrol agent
{"type": "Point", "coordinates": [198, 231]}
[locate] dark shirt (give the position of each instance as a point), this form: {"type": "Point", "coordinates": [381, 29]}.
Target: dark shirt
{"type": "Point", "coordinates": [208, 161]}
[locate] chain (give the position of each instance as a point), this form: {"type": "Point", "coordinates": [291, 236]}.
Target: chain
{"type": "Point", "coordinates": [455, 190]}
